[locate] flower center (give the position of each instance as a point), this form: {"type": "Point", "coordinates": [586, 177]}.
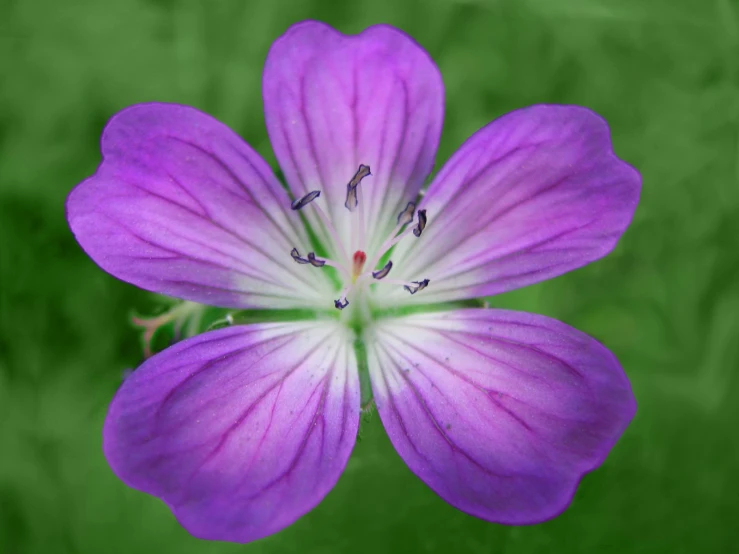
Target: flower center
{"type": "Point", "coordinates": [353, 270]}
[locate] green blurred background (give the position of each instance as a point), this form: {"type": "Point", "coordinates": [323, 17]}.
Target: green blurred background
{"type": "Point", "coordinates": [662, 72]}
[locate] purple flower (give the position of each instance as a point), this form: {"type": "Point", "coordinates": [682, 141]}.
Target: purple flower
{"type": "Point", "coordinates": [244, 429]}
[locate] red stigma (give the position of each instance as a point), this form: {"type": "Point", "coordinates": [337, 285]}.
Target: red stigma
{"type": "Point", "coordinates": [358, 259]}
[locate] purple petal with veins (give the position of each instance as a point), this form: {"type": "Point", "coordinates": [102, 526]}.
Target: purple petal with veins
{"type": "Point", "coordinates": [182, 206]}
{"type": "Point", "coordinates": [240, 430]}
{"type": "Point", "coordinates": [333, 102]}
{"type": "Point", "coordinates": [532, 195]}
{"type": "Point", "coordinates": [501, 413]}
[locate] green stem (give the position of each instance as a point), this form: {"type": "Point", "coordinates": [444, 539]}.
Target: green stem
{"type": "Point", "coordinates": [365, 385]}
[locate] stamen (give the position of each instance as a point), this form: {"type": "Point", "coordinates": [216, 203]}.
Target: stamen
{"type": "Point", "coordinates": [314, 261]}
{"type": "Point", "coordinates": [362, 172]}
{"type": "Point", "coordinates": [331, 231]}
{"type": "Point", "coordinates": [318, 262]}
{"type": "Point", "coordinates": [296, 256]}
{"type": "Point", "coordinates": [411, 286]}
{"type": "Point", "coordinates": [351, 187]}
{"type": "Point", "coordinates": [421, 223]}
{"type": "Point", "coordinates": [392, 240]}
{"type": "Point", "coordinates": [362, 228]}
{"type": "Point", "coordinates": [351, 201]}
{"type": "Point", "coordinates": [406, 216]}
{"type": "Point", "coordinates": [300, 203]}
{"type": "Point", "coordinates": [343, 301]}
{"type": "Point", "coordinates": [420, 285]}
{"type": "Point", "coordinates": [382, 273]}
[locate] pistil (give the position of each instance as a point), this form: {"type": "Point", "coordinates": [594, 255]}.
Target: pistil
{"type": "Point", "coordinates": [358, 264]}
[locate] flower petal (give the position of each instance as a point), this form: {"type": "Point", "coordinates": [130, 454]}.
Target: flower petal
{"type": "Point", "coordinates": [532, 195]}
{"type": "Point", "coordinates": [499, 412]}
{"type": "Point", "coordinates": [333, 102]}
{"type": "Point", "coordinates": [241, 430]}
{"type": "Point", "coordinates": [182, 206]}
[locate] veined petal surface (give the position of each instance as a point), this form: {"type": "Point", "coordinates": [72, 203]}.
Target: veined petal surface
{"type": "Point", "coordinates": [182, 206]}
{"type": "Point", "coordinates": [499, 412]}
{"type": "Point", "coordinates": [534, 194]}
{"type": "Point", "coordinates": [333, 102]}
{"type": "Point", "coordinates": [241, 430]}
